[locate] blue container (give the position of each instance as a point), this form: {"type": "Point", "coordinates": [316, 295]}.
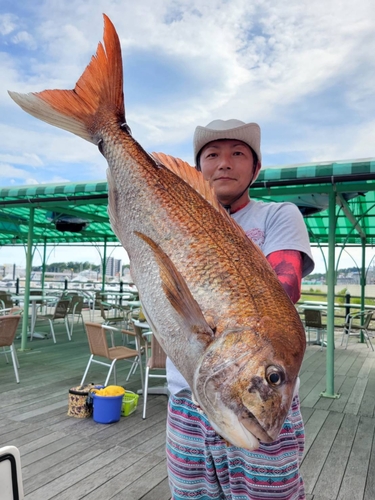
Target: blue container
{"type": "Point", "coordinates": [107, 409]}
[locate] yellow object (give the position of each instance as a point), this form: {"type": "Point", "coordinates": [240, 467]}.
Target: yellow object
{"type": "Point", "coordinates": [141, 316]}
{"type": "Point", "coordinates": [129, 403]}
{"type": "Point", "coordinates": [110, 390]}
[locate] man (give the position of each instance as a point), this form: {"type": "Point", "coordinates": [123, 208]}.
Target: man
{"type": "Point", "coordinates": [201, 465]}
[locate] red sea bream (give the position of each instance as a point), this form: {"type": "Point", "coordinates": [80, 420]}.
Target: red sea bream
{"type": "Point", "coordinates": [210, 295]}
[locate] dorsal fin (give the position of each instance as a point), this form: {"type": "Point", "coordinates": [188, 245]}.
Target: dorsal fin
{"type": "Point", "coordinates": [190, 175]}
{"type": "Point", "coordinates": [196, 180]}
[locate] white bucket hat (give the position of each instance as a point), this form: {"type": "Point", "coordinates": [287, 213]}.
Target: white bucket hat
{"type": "Point", "coordinates": [248, 133]}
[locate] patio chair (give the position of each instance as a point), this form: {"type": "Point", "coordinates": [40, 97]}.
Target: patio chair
{"type": "Point", "coordinates": [60, 312]}
{"type": "Point", "coordinates": [120, 316]}
{"type": "Point", "coordinates": [8, 329]}
{"type": "Point", "coordinates": [140, 342]}
{"type": "Point", "coordinates": [97, 337]}
{"type": "Point", "coordinates": [357, 323]}
{"type": "Point", "coordinates": [11, 474]}
{"type": "Point", "coordinates": [6, 301]}
{"type": "Point", "coordinates": [155, 360]}
{"type": "Point", "coordinates": [313, 320]}
{"type": "Point", "coordinates": [75, 309]}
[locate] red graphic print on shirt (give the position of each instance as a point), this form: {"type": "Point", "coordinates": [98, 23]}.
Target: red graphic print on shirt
{"type": "Point", "coordinates": [256, 235]}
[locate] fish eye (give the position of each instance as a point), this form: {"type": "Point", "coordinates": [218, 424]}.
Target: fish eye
{"type": "Point", "coordinates": [274, 376]}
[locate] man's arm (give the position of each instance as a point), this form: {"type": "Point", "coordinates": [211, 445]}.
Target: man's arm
{"type": "Point", "coordinates": [287, 264]}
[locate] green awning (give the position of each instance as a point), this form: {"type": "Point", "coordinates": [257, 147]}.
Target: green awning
{"type": "Point", "coordinates": [310, 186]}
{"type": "Point", "coordinates": [86, 201]}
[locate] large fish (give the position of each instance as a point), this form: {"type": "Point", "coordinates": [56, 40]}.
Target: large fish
{"type": "Point", "coordinates": [212, 299]}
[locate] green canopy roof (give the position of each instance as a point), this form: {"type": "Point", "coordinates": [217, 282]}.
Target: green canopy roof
{"type": "Point", "coordinates": [53, 202]}
{"type": "Point", "coordinates": [352, 184]}
{"type": "Point", "coordinates": [309, 186]}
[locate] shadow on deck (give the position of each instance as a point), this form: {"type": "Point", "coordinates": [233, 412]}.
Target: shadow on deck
{"type": "Point", "coordinates": [68, 458]}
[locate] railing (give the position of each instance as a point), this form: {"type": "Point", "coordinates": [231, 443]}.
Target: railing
{"type": "Point", "coordinates": [344, 304]}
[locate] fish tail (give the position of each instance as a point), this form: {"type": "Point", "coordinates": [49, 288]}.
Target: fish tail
{"type": "Point", "coordinates": [96, 99]}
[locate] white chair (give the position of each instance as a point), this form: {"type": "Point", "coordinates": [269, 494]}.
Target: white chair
{"type": "Point", "coordinates": [10, 474]}
{"type": "Point", "coordinates": [155, 360]}
{"type": "Point", "coordinates": [357, 323]}
{"type": "Point", "coordinates": [8, 329]}
{"type": "Point", "coordinates": [6, 301]}
{"type": "Point", "coordinates": [60, 312]}
{"type": "Point", "coordinates": [75, 309]}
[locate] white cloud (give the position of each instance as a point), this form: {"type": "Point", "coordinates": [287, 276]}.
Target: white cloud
{"type": "Point", "coordinates": [11, 174]}
{"type": "Point", "coordinates": [7, 24]}
{"type": "Point", "coordinates": [24, 38]}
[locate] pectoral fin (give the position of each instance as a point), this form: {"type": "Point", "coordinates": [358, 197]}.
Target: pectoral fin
{"type": "Point", "coordinates": [178, 293]}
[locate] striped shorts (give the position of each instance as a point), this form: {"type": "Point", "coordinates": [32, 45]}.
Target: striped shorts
{"type": "Point", "coordinates": [202, 466]}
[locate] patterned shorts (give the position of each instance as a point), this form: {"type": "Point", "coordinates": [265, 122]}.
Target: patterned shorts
{"type": "Point", "coordinates": [202, 466]}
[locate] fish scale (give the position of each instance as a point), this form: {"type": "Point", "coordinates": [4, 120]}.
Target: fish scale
{"type": "Point", "coordinates": [212, 299]}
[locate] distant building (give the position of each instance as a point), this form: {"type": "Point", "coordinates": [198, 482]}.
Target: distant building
{"type": "Point", "coordinates": [113, 267]}
{"type": "Point", "coordinates": [11, 271]}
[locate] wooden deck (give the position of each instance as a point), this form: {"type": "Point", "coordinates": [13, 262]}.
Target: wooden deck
{"type": "Point", "coordinates": [68, 458]}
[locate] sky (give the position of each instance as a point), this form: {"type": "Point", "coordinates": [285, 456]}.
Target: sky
{"type": "Point", "coordinates": [303, 69]}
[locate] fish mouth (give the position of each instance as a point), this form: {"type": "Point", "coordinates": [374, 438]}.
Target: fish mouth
{"type": "Point", "coordinates": [243, 430]}
{"type": "Point", "coordinates": [251, 424]}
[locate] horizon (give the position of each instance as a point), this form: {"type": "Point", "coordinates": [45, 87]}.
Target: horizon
{"type": "Point", "coordinates": [16, 255]}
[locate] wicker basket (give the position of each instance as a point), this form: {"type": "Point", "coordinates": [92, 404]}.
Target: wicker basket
{"type": "Point", "coordinates": [79, 406]}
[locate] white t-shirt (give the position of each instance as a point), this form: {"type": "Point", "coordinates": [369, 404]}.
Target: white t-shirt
{"type": "Point", "coordinates": [273, 227]}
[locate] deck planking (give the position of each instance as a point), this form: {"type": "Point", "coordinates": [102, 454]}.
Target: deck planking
{"type": "Point", "coordinates": [68, 458]}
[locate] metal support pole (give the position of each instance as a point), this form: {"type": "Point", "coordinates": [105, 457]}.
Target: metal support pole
{"type": "Point", "coordinates": [29, 260]}
{"type": "Point", "coordinates": [330, 351]}
{"type": "Point", "coordinates": [121, 290]}
{"type": "Point", "coordinates": [104, 264]}
{"type": "Point", "coordinates": [44, 263]}
{"type": "Point", "coordinates": [363, 285]}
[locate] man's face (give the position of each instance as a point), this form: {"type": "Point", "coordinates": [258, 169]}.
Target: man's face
{"type": "Point", "coordinates": [229, 166]}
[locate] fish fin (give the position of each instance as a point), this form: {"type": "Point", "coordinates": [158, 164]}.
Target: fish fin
{"type": "Point", "coordinates": [97, 94]}
{"type": "Point", "coordinates": [196, 180]}
{"type": "Point", "coordinates": [191, 176]}
{"type": "Point", "coordinates": [178, 292]}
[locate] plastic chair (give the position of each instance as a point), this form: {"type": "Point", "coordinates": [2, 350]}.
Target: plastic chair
{"type": "Point", "coordinates": [136, 334]}
{"type": "Point", "coordinates": [106, 307]}
{"type": "Point", "coordinates": [8, 329]}
{"type": "Point", "coordinates": [11, 474]}
{"type": "Point", "coordinates": [357, 323]}
{"type": "Point", "coordinates": [313, 319]}
{"type": "Point", "coordinates": [6, 301]}
{"type": "Point", "coordinates": [75, 309]}
{"type": "Point", "coordinates": [156, 360]}
{"type": "Point", "coordinates": [60, 312]}
{"type": "Point", "coordinates": [97, 337]}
